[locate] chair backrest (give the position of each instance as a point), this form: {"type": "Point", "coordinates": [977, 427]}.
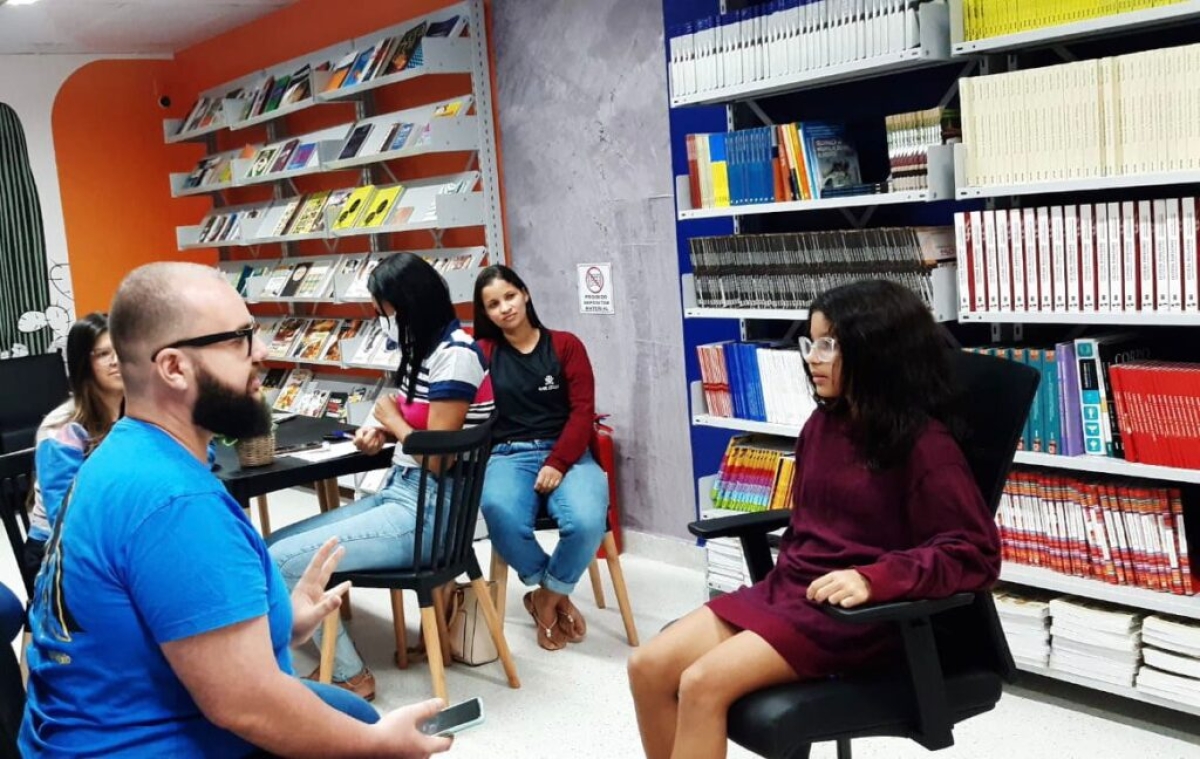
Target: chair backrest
{"type": "Point", "coordinates": [997, 397]}
{"type": "Point", "coordinates": [16, 480]}
{"type": "Point", "coordinates": [12, 702]}
{"type": "Point", "coordinates": [452, 496]}
{"type": "Point", "coordinates": [30, 388]}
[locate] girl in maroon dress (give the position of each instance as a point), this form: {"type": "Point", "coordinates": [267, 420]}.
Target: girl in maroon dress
{"type": "Point", "coordinates": [884, 508]}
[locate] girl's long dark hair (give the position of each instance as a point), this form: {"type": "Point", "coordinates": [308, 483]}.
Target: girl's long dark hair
{"type": "Point", "coordinates": [896, 370]}
{"type": "Point", "coordinates": [90, 411]}
{"type": "Point", "coordinates": [423, 309]}
{"type": "Point", "coordinates": [485, 328]}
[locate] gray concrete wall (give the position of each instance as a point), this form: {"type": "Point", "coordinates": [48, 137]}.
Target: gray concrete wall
{"type": "Point", "coordinates": [582, 102]}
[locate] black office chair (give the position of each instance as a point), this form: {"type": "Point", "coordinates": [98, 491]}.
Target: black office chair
{"type": "Point", "coordinates": [16, 479]}
{"type": "Point", "coordinates": [454, 496]}
{"type": "Point", "coordinates": [12, 702]}
{"type": "Point", "coordinates": [955, 655]}
{"type": "Point", "coordinates": [30, 387]}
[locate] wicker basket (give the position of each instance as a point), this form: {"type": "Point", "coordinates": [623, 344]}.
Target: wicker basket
{"type": "Point", "coordinates": [256, 451]}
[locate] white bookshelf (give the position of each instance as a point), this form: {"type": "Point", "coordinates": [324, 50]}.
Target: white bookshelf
{"type": "Point", "coordinates": [1119, 23]}
{"type": "Point", "coordinates": [1131, 319]}
{"type": "Point", "coordinates": [1085, 587]}
{"type": "Point", "coordinates": [1116, 690]}
{"type": "Point", "coordinates": [1107, 465]}
{"type": "Point", "coordinates": [934, 50]}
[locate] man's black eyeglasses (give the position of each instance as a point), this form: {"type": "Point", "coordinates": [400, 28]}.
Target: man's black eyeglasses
{"type": "Point", "coordinates": [245, 333]}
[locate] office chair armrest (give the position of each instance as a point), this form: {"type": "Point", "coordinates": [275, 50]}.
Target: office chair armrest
{"type": "Point", "coordinates": [741, 525]}
{"type": "Point", "coordinates": [898, 611]}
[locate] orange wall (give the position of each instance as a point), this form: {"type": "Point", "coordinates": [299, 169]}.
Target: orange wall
{"type": "Point", "coordinates": [113, 164]}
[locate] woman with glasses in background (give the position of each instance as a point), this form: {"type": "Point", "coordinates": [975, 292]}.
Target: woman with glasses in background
{"type": "Point", "coordinates": [443, 385]}
{"type": "Point", "coordinates": [71, 431]}
{"type": "Point", "coordinates": [884, 507]}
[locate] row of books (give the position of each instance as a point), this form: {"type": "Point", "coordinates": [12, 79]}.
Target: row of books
{"type": "Point", "coordinates": [383, 134]}
{"type": "Point", "coordinates": [788, 271]}
{"type": "Point", "coordinates": [909, 138]}
{"type": "Point", "coordinates": [995, 18]}
{"type": "Point", "coordinates": [772, 164]}
{"type": "Point", "coordinates": [1117, 116]}
{"type": "Point", "coordinates": [1091, 258]}
{"type": "Point", "coordinates": [276, 90]}
{"type": "Point", "coordinates": [757, 474]}
{"type": "Point", "coordinates": [1123, 532]}
{"type": "Point", "coordinates": [785, 38]}
{"type": "Point", "coordinates": [368, 207]}
{"type": "Point", "coordinates": [338, 278]}
{"type": "Point", "coordinates": [345, 342]}
{"type": "Point", "coordinates": [1156, 406]}
{"type": "Point", "coordinates": [391, 55]}
{"type": "Point", "coordinates": [1157, 654]}
{"type": "Point", "coordinates": [298, 391]}
{"type": "Point", "coordinates": [762, 382]}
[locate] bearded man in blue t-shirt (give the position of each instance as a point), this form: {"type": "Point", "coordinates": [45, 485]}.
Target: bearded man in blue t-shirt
{"type": "Point", "coordinates": [161, 627]}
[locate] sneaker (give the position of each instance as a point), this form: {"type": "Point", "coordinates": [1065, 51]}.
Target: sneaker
{"type": "Point", "coordinates": [361, 685]}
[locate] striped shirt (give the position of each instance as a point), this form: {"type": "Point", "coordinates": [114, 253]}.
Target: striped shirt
{"type": "Point", "coordinates": [456, 370]}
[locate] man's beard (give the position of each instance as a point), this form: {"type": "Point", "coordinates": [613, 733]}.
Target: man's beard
{"type": "Point", "coordinates": [224, 411]}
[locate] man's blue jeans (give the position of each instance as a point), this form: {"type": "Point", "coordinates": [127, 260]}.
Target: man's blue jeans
{"type": "Point", "coordinates": [510, 505]}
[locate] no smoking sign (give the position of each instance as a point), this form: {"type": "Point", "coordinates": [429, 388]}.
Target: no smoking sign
{"type": "Point", "coordinates": [595, 289]}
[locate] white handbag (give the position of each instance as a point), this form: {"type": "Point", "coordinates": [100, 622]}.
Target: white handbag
{"type": "Point", "coordinates": [470, 641]}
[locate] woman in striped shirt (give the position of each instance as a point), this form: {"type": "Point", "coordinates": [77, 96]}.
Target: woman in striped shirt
{"type": "Point", "coordinates": [443, 384]}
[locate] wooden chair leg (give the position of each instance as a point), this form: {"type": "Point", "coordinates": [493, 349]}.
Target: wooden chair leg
{"type": "Point", "coordinates": [439, 606]}
{"type": "Point", "coordinates": [401, 630]}
{"type": "Point", "coordinates": [497, 630]}
{"type": "Point", "coordinates": [329, 633]}
{"type": "Point", "coordinates": [322, 496]}
{"type": "Point", "coordinates": [597, 585]}
{"type": "Point", "coordinates": [500, 577]}
{"type": "Point", "coordinates": [618, 581]}
{"type": "Point", "coordinates": [433, 647]}
{"type": "Point", "coordinates": [333, 495]}
{"type": "Point", "coordinates": [264, 514]}
{"type": "Point", "coordinates": [346, 611]}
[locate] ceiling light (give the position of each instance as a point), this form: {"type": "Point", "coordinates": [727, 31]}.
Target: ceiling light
{"type": "Point", "coordinates": [19, 2]}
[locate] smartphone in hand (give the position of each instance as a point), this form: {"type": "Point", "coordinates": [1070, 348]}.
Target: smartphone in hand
{"type": "Point", "coordinates": [454, 719]}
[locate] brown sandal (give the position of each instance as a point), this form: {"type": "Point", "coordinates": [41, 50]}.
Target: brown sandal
{"type": "Point", "coordinates": [548, 637]}
{"type": "Point", "coordinates": [571, 622]}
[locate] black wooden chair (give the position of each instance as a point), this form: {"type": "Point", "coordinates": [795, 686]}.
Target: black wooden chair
{"type": "Point", "coordinates": [454, 497]}
{"type": "Point", "coordinates": [16, 480]}
{"type": "Point", "coordinates": [955, 655]}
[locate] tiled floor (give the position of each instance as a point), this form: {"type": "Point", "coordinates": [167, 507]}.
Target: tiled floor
{"type": "Point", "coordinates": [575, 702]}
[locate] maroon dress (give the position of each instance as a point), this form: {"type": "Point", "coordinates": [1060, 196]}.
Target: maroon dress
{"type": "Point", "coordinates": [918, 530]}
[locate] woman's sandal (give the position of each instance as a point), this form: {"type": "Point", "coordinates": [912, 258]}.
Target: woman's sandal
{"type": "Point", "coordinates": [549, 638]}
{"type": "Point", "coordinates": [571, 622]}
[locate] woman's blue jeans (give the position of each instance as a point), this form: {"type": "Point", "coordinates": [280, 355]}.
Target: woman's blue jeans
{"type": "Point", "coordinates": [377, 532]}
{"type": "Point", "coordinates": [510, 505]}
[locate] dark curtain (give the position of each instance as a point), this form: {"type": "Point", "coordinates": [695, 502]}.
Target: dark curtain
{"type": "Point", "coordinates": [23, 278]}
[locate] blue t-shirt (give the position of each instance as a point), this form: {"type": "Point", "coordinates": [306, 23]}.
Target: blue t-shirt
{"type": "Point", "coordinates": [148, 548]}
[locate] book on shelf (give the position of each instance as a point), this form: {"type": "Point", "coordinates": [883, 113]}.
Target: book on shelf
{"type": "Point", "coordinates": [348, 330]}
{"type": "Point", "coordinates": [405, 47]}
{"type": "Point", "coordinates": [1147, 397]}
{"type": "Point", "coordinates": [296, 276]}
{"type": "Point", "coordinates": [1115, 257]}
{"type": "Point", "coordinates": [787, 271]}
{"type": "Point", "coordinates": [312, 400]}
{"type": "Point", "coordinates": [354, 207]}
{"type": "Point", "coordinates": [1092, 113]}
{"type": "Point", "coordinates": [983, 19]}
{"type": "Point", "coordinates": [337, 407]}
{"type": "Point", "coordinates": [299, 88]}
{"type": "Point", "coordinates": [340, 70]}
{"type": "Point", "coordinates": [292, 388]}
{"type": "Point", "coordinates": [756, 474]}
{"type": "Point", "coordinates": [909, 138]}
{"type": "Point", "coordinates": [372, 336]}
{"type": "Point", "coordinates": [311, 344]}
{"type": "Point", "coordinates": [263, 160]}
{"type": "Point", "coordinates": [1122, 532]}
{"type": "Point", "coordinates": [775, 42]}
{"type": "Point", "coordinates": [354, 141]}
{"type": "Point", "coordinates": [386, 354]}
{"type": "Point", "coordinates": [761, 382]}
{"type": "Point", "coordinates": [286, 333]}
{"type": "Point", "coordinates": [453, 26]}
{"type": "Point", "coordinates": [376, 212]}
{"type": "Point", "coordinates": [317, 282]}
{"type": "Point", "coordinates": [309, 217]}
{"type": "Point", "coordinates": [283, 156]}
{"type": "Point", "coordinates": [358, 288]}
{"type": "Point", "coordinates": [1025, 620]}
{"type": "Point", "coordinates": [1096, 641]}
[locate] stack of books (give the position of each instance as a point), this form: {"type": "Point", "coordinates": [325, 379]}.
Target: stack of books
{"type": "Point", "coordinates": [1094, 641]}
{"type": "Point", "coordinates": [909, 138]}
{"type": "Point", "coordinates": [996, 18]}
{"type": "Point", "coordinates": [1171, 649]}
{"type": "Point", "coordinates": [758, 381]}
{"type": "Point", "coordinates": [757, 473]}
{"type": "Point", "coordinates": [788, 271]}
{"type": "Point", "coordinates": [1025, 619]}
